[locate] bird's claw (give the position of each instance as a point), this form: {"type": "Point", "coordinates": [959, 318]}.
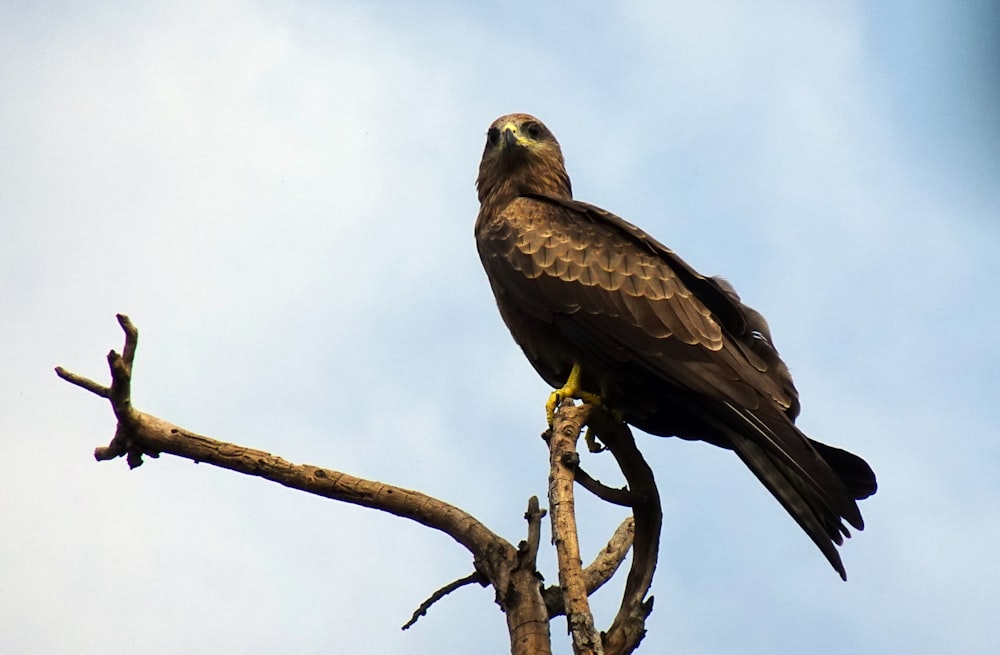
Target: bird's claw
{"type": "Point", "coordinates": [572, 389]}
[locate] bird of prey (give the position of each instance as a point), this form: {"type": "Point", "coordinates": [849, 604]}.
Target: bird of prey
{"type": "Point", "coordinates": [605, 312]}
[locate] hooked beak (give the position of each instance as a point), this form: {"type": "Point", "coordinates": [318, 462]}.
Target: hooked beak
{"type": "Point", "coordinates": [509, 137]}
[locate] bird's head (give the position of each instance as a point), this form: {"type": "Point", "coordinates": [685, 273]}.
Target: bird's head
{"type": "Point", "coordinates": [521, 156]}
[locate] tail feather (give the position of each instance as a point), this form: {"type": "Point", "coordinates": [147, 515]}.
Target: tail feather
{"type": "Point", "coordinates": [781, 481]}
{"type": "Point", "coordinates": [798, 474]}
{"type": "Point", "coordinates": [772, 430]}
{"type": "Point", "coordinates": [854, 471]}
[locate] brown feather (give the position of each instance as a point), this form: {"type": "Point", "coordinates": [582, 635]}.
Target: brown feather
{"type": "Point", "coordinates": [676, 352]}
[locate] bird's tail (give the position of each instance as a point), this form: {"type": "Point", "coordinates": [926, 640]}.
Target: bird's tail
{"type": "Point", "coordinates": [850, 468]}
{"type": "Point", "coordinates": [798, 474]}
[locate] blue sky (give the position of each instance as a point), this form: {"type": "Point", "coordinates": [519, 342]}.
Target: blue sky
{"type": "Point", "coordinates": [282, 199]}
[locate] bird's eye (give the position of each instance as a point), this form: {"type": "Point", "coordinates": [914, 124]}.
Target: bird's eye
{"type": "Point", "coordinates": [533, 130]}
{"type": "Point", "coordinates": [492, 136]}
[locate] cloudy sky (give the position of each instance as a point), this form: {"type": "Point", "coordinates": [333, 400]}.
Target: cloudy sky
{"type": "Point", "coordinates": [281, 197]}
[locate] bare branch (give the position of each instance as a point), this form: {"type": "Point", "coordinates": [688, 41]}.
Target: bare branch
{"type": "Point", "coordinates": [628, 628]}
{"type": "Point", "coordinates": [475, 576]}
{"type": "Point", "coordinates": [512, 572]}
{"type": "Point", "coordinates": [131, 341]}
{"type": "Point", "coordinates": [527, 618]}
{"type": "Point", "coordinates": [157, 435]}
{"type": "Point", "coordinates": [622, 497]}
{"type": "Point", "coordinates": [149, 434]}
{"type": "Point", "coordinates": [611, 556]}
{"type": "Point", "coordinates": [528, 549]}
{"type": "Point", "coordinates": [121, 382]}
{"type": "Point", "coordinates": [517, 585]}
{"type": "Point", "coordinates": [600, 570]}
{"type": "Point", "coordinates": [563, 460]}
{"type": "Point", "coordinates": [83, 383]}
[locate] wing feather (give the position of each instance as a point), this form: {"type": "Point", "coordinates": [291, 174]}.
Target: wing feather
{"type": "Point", "coordinates": [679, 352]}
{"type": "Point", "coordinates": [548, 240]}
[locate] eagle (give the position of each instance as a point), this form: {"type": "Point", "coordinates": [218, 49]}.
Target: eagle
{"type": "Point", "coordinates": [606, 313]}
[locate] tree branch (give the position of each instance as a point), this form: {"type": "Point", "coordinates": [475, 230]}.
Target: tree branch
{"type": "Point", "coordinates": [528, 623]}
{"type": "Point", "coordinates": [475, 576]}
{"type": "Point", "coordinates": [83, 383]}
{"type": "Point", "coordinates": [629, 625]}
{"type": "Point", "coordinates": [529, 547]}
{"type": "Point", "coordinates": [623, 497]}
{"type": "Point", "coordinates": [600, 570]}
{"type": "Point", "coordinates": [511, 573]}
{"type": "Point", "coordinates": [563, 460]}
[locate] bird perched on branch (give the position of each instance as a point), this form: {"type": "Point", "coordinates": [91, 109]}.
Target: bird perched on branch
{"type": "Point", "coordinates": [606, 313]}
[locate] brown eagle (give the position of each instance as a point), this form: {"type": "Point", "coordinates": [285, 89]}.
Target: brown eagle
{"type": "Point", "coordinates": [601, 309]}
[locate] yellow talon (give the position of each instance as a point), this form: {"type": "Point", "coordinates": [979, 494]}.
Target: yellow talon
{"type": "Point", "coordinates": [572, 389]}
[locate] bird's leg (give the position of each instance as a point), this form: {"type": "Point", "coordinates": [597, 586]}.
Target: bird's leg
{"type": "Point", "coordinates": [572, 389]}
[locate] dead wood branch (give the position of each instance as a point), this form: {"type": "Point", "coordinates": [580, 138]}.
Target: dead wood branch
{"type": "Point", "coordinates": [563, 460]}
{"type": "Point", "coordinates": [534, 517]}
{"type": "Point", "coordinates": [475, 576]}
{"type": "Point", "coordinates": [511, 572]}
{"type": "Point", "coordinates": [599, 571]}
{"type": "Point", "coordinates": [629, 626]}
{"type": "Point", "coordinates": [622, 497]}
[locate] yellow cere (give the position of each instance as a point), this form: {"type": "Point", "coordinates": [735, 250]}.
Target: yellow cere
{"type": "Point", "coordinates": [513, 128]}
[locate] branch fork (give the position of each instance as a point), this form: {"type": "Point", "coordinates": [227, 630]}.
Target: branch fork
{"type": "Point", "coordinates": [527, 604]}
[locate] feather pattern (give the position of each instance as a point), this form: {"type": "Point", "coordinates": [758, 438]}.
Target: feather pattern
{"type": "Point", "coordinates": [676, 352]}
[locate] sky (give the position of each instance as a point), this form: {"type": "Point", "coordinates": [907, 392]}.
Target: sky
{"type": "Point", "coordinates": [281, 197]}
